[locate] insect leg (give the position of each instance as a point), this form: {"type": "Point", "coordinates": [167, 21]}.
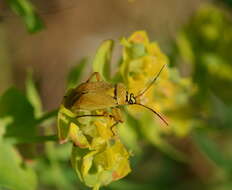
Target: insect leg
{"type": "Point", "coordinates": [96, 74]}
{"type": "Point", "coordinates": [112, 126]}
{"type": "Point", "coordinates": [96, 115]}
{"type": "Point", "coordinates": [104, 115]}
{"type": "Point", "coordinates": [116, 114]}
{"type": "Point", "coordinates": [90, 115]}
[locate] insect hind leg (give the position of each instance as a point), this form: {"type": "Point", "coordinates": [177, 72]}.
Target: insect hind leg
{"type": "Point", "coordinates": [95, 74]}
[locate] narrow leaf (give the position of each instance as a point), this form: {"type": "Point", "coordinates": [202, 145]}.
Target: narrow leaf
{"type": "Point", "coordinates": [33, 95]}
{"type": "Point", "coordinates": [101, 62]}
{"type": "Point", "coordinates": [26, 10]}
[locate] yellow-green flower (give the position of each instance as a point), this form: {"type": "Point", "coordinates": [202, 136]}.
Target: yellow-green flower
{"type": "Point", "coordinates": [98, 168]}
{"type": "Point", "coordinates": [142, 60]}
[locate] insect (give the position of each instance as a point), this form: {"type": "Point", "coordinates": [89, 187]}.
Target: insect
{"type": "Point", "coordinates": [97, 95]}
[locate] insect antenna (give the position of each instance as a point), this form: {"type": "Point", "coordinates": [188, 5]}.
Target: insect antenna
{"type": "Point", "coordinates": [155, 112]}
{"type": "Point", "coordinates": [151, 83]}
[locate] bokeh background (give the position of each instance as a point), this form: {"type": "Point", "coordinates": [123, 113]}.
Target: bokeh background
{"type": "Point", "coordinates": [196, 35]}
{"type": "Point", "coordinates": [75, 29]}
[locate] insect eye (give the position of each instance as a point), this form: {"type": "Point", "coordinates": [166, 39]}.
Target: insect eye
{"type": "Point", "coordinates": [132, 99]}
{"type": "Point", "coordinates": [127, 96]}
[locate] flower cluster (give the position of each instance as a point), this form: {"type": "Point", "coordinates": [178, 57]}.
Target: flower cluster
{"type": "Point", "coordinates": [98, 156]}
{"type": "Point", "coordinates": [142, 60]}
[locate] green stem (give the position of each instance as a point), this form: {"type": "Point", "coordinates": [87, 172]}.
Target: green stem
{"type": "Point", "coordinates": [35, 139]}
{"type": "Point", "coordinates": [96, 187]}
{"type": "Point", "coordinates": [46, 116]}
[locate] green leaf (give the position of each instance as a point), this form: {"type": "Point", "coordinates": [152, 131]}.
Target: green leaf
{"type": "Point", "coordinates": [33, 95]}
{"type": "Point", "coordinates": [15, 105]}
{"type": "Point", "coordinates": [26, 10]}
{"type": "Point", "coordinates": [34, 139]}
{"type": "Point", "coordinates": [101, 62]}
{"type": "Point", "coordinates": [64, 120]}
{"type": "Point", "coordinates": [46, 116]}
{"type": "Point", "coordinates": [137, 50]}
{"type": "Point", "coordinates": [13, 174]}
{"type": "Point", "coordinates": [76, 73]}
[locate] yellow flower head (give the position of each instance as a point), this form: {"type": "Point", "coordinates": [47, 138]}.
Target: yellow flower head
{"type": "Point", "coordinates": [98, 155]}
{"type": "Point", "coordinates": [100, 167]}
{"type": "Point", "coordinates": [142, 60]}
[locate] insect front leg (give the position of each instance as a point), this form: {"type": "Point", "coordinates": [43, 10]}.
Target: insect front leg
{"type": "Point", "coordinates": [112, 127]}
{"type": "Point", "coordinates": [91, 115]}
{"type": "Point", "coordinates": [95, 74]}
{"type": "Point", "coordinates": [116, 114]}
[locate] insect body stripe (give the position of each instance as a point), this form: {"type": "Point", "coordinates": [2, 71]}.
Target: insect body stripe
{"type": "Point", "coordinates": [116, 92]}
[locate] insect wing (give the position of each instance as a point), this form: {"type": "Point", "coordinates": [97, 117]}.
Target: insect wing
{"type": "Point", "coordinates": [94, 87]}
{"type": "Point", "coordinates": [94, 101]}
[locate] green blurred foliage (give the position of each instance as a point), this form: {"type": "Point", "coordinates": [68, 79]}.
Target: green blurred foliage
{"type": "Point", "coordinates": [203, 47]}
{"type": "Point", "coordinates": [228, 2]}
{"type": "Point", "coordinates": [193, 153]}
{"type": "Point", "coordinates": [14, 174]}
{"type": "Point", "coordinates": [204, 44]}
{"type": "Point", "coordinates": [22, 165]}
{"type": "Point", "coordinates": [101, 62]}
{"type": "Point", "coordinates": [12, 103]}
{"type": "Point", "coordinates": [202, 50]}
{"type": "Point", "coordinates": [26, 10]}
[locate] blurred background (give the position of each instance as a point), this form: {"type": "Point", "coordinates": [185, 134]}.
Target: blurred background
{"type": "Point", "coordinates": [196, 35]}
{"type": "Point", "coordinates": [75, 29]}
